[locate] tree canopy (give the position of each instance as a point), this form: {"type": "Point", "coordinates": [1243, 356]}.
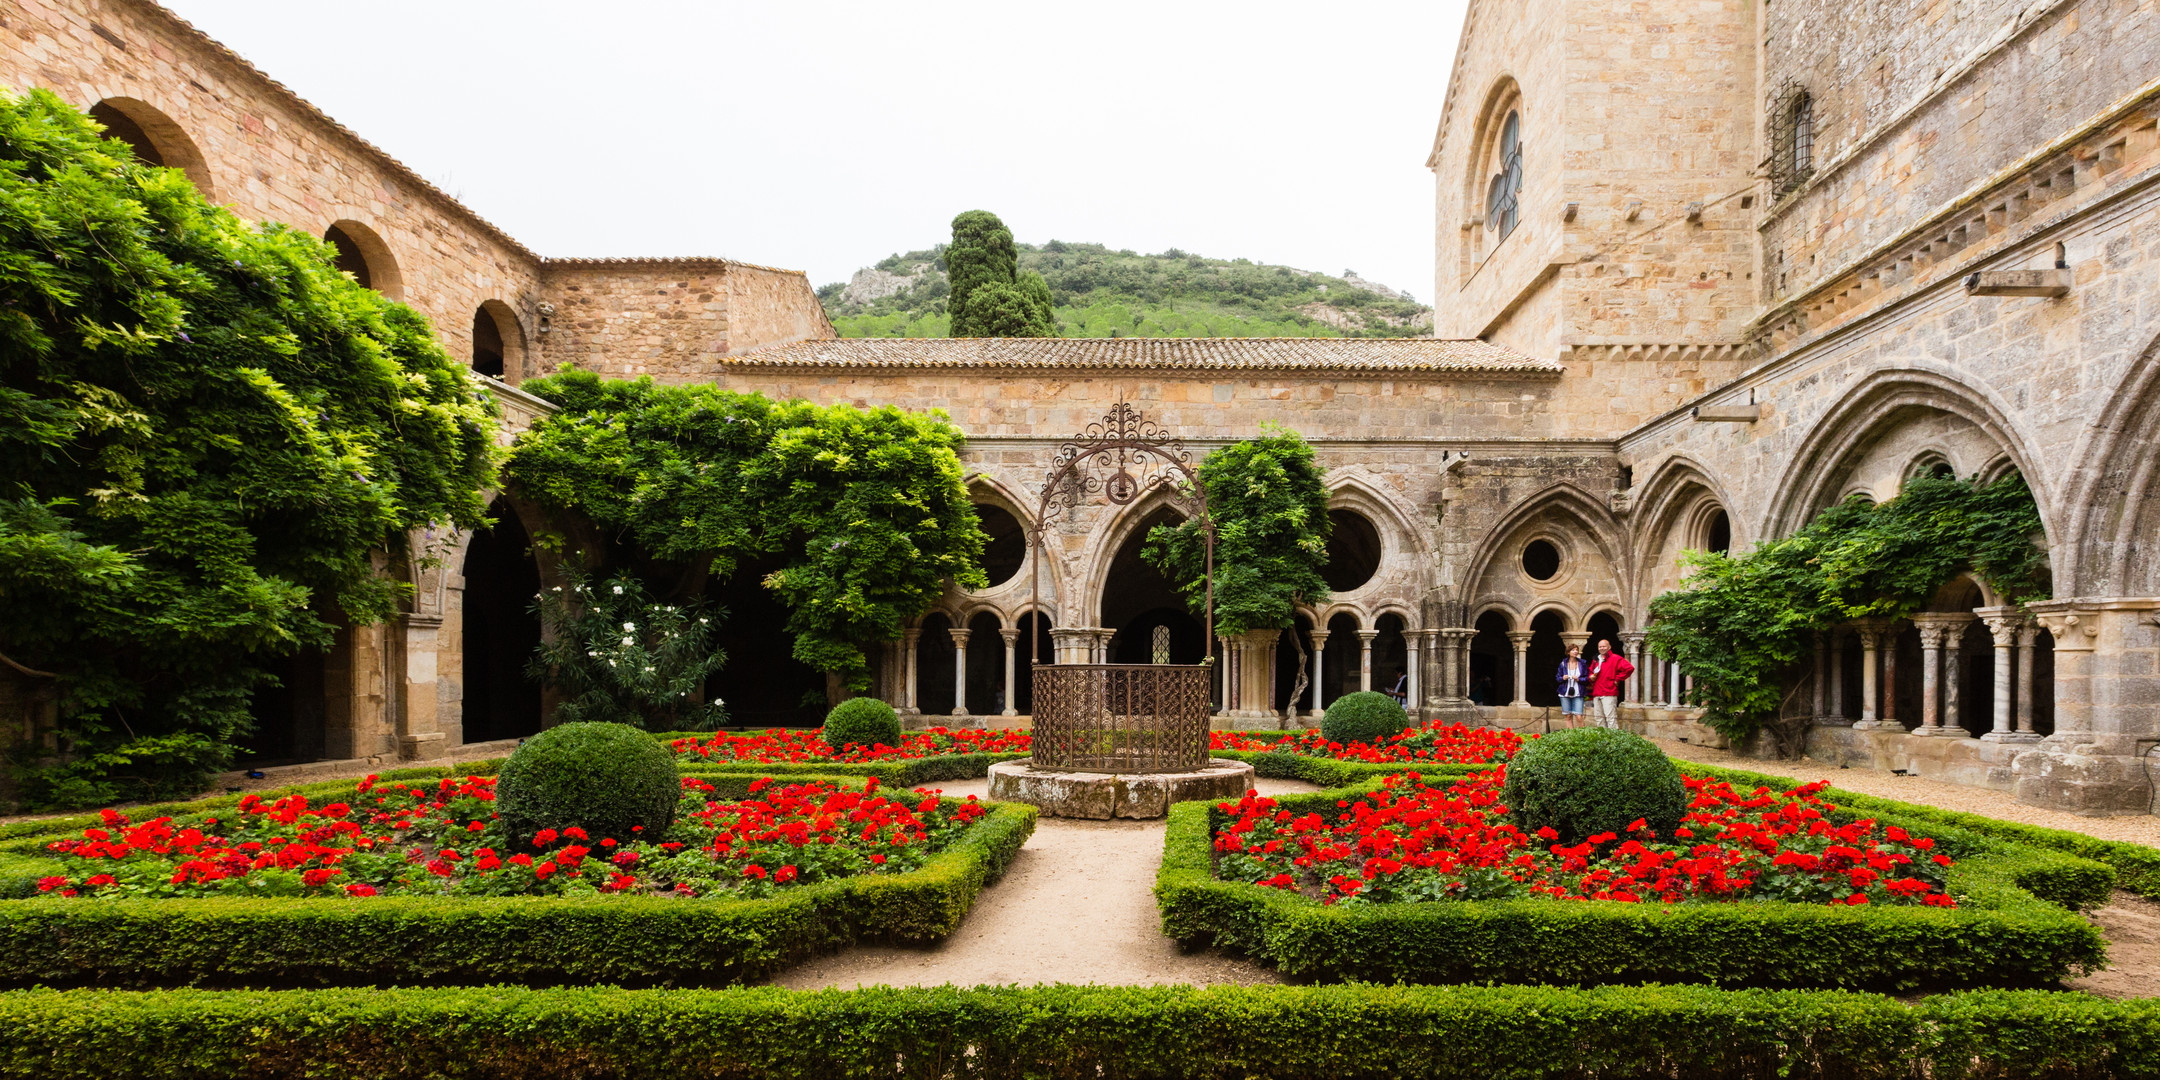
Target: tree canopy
{"type": "Point", "coordinates": [1740, 621]}
{"type": "Point", "coordinates": [211, 442]}
{"type": "Point", "coordinates": [1268, 501]}
{"type": "Point", "coordinates": [868, 506]}
{"type": "Point", "coordinates": [991, 297]}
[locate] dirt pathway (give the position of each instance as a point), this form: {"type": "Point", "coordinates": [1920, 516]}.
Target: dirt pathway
{"type": "Point", "coordinates": [1076, 907]}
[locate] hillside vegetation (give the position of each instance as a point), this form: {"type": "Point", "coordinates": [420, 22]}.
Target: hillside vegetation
{"type": "Point", "coordinates": [1098, 292]}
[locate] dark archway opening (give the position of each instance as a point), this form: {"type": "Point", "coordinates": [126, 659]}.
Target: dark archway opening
{"type": "Point", "coordinates": [118, 125]}
{"type": "Point", "coordinates": [1718, 537]}
{"type": "Point", "coordinates": [1976, 678]}
{"type": "Point", "coordinates": [1604, 626]}
{"type": "Point", "coordinates": [500, 632]}
{"type": "Point", "coordinates": [763, 685]}
{"type": "Point", "coordinates": [1391, 658]}
{"type": "Point", "coordinates": [1903, 676]}
{"type": "Point", "coordinates": [1339, 661]}
{"type": "Point", "coordinates": [1287, 664]}
{"type": "Point", "coordinates": [487, 340]}
{"type": "Point", "coordinates": [289, 717]}
{"type": "Point", "coordinates": [2043, 684]}
{"type": "Point", "coordinates": [1137, 598]}
{"type": "Point", "coordinates": [934, 687]}
{"type": "Point", "coordinates": [1007, 549]}
{"type": "Point", "coordinates": [1353, 551]}
{"type": "Point", "coordinates": [986, 665]}
{"type": "Point", "coordinates": [1492, 661]}
{"type": "Point", "coordinates": [349, 258]}
{"type": "Point", "coordinates": [1546, 652]}
{"type": "Point", "coordinates": [1024, 664]}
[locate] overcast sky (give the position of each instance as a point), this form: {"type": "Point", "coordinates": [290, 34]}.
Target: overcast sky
{"type": "Point", "coordinates": [825, 136]}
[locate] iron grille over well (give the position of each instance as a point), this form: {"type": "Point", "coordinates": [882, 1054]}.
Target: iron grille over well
{"type": "Point", "coordinates": [1122, 718]}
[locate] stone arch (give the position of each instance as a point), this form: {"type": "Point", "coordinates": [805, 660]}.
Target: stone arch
{"type": "Point", "coordinates": [1356, 612]}
{"type": "Point", "coordinates": [1674, 513]}
{"type": "Point", "coordinates": [1405, 552]}
{"type": "Point", "coordinates": [1876, 407]}
{"type": "Point", "coordinates": [1932, 461]}
{"type": "Point", "coordinates": [2111, 508]}
{"type": "Point", "coordinates": [1570, 619]}
{"type": "Point", "coordinates": [1103, 546]}
{"type": "Point", "coordinates": [1400, 610]}
{"type": "Point", "coordinates": [498, 342]}
{"type": "Point", "coordinates": [1502, 99]}
{"type": "Point", "coordinates": [986, 490]}
{"type": "Point", "coordinates": [1593, 552]}
{"type": "Point", "coordinates": [362, 253]}
{"type": "Point", "coordinates": [156, 138]}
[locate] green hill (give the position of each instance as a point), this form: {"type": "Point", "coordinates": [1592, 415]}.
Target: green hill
{"type": "Point", "coordinates": [1105, 293]}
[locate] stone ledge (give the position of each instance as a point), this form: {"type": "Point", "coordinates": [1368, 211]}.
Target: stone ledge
{"type": "Point", "coordinates": [1103, 796]}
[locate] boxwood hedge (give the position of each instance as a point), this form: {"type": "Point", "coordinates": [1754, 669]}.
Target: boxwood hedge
{"type": "Point", "coordinates": [625, 940]}
{"type": "Point", "coordinates": [2014, 926]}
{"type": "Point", "coordinates": [1215, 1033]}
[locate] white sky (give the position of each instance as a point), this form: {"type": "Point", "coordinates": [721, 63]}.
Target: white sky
{"type": "Point", "coordinates": [826, 136]}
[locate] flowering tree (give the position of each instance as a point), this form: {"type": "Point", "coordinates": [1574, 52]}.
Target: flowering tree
{"type": "Point", "coordinates": [620, 657]}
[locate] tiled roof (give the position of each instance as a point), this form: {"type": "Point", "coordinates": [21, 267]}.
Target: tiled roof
{"type": "Point", "coordinates": [1348, 355]}
{"type": "Point", "coordinates": [665, 260]}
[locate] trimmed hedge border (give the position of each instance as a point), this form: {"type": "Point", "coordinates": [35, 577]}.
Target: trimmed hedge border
{"type": "Point", "coordinates": [907, 772]}
{"type": "Point", "coordinates": [625, 940]}
{"type": "Point", "coordinates": [995, 1033]}
{"type": "Point", "coordinates": [2005, 935]}
{"type": "Point", "coordinates": [1328, 772]}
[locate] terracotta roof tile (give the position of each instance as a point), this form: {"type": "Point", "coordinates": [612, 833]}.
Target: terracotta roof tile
{"type": "Point", "coordinates": [1378, 356]}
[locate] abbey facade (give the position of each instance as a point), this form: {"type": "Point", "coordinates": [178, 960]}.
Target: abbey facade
{"type": "Point", "coordinates": [1702, 269]}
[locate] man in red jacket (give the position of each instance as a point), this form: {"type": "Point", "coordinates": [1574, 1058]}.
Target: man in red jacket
{"type": "Point", "coordinates": [1606, 678]}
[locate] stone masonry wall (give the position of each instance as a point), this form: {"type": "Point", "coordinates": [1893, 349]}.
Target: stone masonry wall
{"type": "Point", "coordinates": [673, 319]}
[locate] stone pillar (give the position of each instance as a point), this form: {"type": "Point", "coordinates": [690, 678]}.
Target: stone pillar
{"type": "Point", "coordinates": [1822, 677]}
{"type": "Point", "coordinates": [1578, 638]}
{"type": "Point", "coordinates": [1931, 638]}
{"type": "Point", "coordinates": [2107, 707]}
{"type": "Point", "coordinates": [1012, 641]}
{"type": "Point", "coordinates": [1521, 641]}
{"type": "Point", "coordinates": [1364, 672]}
{"type": "Point", "coordinates": [1410, 662]}
{"type": "Point", "coordinates": [1889, 651]}
{"type": "Point", "coordinates": [1073, 644]}
{"type": "Point", "coordinates": [912, 635]}
{"type": "Point", "coordinates": [2005, 625]}
{"type": "Point", "coordinates": [1953, 711]}
{"type": "Point", "coordinates": [1632, 642]}
{"type": "Point", "coordinates": [1251, 700]}
{"type": "Point", "coordinates": [1837, 674]}
{"type": "Point", "coordinates": [2028, 641]}
{"type": "Point", "coordinates": [1675, 690]}
{"type": "Point", "coordinates": [419, 731]}
{"type": "Point", "coordinates": [959, 642]}
{"type": "Point", "coordinates": [1319, 643]}
{"type": "Point", "coordinates": [1451, 681]}
{"type": "Point", "coordinates": [1870, 631]}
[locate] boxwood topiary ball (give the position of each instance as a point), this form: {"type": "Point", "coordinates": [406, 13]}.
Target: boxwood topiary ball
{"type": "Point", "coordinates": [863, 721]}
{"type": "Point", "coordinates": [1587, 781]}
{"type": "Point", "coordinates": [603, 778]}
{"type": "Point", "coordinates": [1365, 717]}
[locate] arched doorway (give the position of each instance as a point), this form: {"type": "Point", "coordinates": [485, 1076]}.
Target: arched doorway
{"type": "Point", "coordinates": [1288, 662]}
{"type": "Point", "coordinates": [289, 717]}
{"type": "Point", "coordinates": [358, 251]}
{"type": "Point", "coordinates": [1604, 626]}
{"type": "Point", "coordinates": [499, 632]}
{"type": "Point", "coordinates": [1137, 599]}
{"type": "Point", "coordinates": [154, 137]}
{"type": "Point", "coordinates": [935, 691]}
{"type": "Point", "coordinates": [1390, 656]}
{"type": "Point", "coordinates": [986, 665]}
{"type": "Point", "coordinates": [1342, 659]}
{"type": "Point", "coordinates": [763, 685]}
{"type": "Point", "coordinates": [498, 342]}
{"type": "Point", "coordinates": [1546, 652]}
{"type": "Point", "coordinates": [1023, 663]}
{"type": "Point", "coordinates": [1492, 661]}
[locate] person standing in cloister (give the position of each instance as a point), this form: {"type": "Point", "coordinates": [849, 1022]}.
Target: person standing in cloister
{"type": "Point", "coordinates": [1574, 678]}
{"type": "Point", "coordinates": [1607, 676]}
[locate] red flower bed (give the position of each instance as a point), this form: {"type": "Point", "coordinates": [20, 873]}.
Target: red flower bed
{"type": "Point", "coordinates": [778, 746]}
{"type": "Point", "coordinates": [1433, 741]}
{"type": "Point", "coordinates": [444, 839]}
{"type": "Point", "coordinates": [1411, 841]}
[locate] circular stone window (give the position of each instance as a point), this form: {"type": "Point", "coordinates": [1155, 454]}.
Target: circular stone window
{"type": "Point", "coordinates": [1540, 560]}
{"type": "Point", "coordinates": [1353, 551]}
{"type": "Point", "coordinates": [1007, 549]}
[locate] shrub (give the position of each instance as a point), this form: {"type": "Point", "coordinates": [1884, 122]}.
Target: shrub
{"type": "Point", "coordinates": [862, 721]}
{"type": "Point", "coordinates": [1594, 780]}
{"type": "Point", "coordinates": [604, 778]}
{"type": "Point", "coordinates": [1366, 716]}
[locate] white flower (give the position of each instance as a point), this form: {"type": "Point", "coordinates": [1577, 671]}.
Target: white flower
{"type": "Point", "coordinates": [618, 590]}
{"type": "Point", "coordinates": [629, 641]}
{"type": "Point", "coordinates": [629, 626]}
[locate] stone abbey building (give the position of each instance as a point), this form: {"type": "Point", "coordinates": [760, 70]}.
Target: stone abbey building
{"type": "Point", "coordinates": [1702, 269]}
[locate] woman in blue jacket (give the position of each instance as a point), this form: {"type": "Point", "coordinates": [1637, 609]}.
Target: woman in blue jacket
{"type": "Point", "coordinates": [1574, 682]}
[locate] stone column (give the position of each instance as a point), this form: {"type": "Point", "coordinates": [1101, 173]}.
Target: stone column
{"type": "Point", "coordinates": [959, 642]}
{"type": "Point", "coordinates": [1870, 632]}
{"type": "Point", "coordinates": [2028, 641]}
{"type": "Point", "coordinates": [1576, 637]}
{"type": "Point", "coordinates": [1632, 642]}
{"type": "Point", "coordinates": [1837, 674]}
{"type": "Point", "coordinates": [1675, 692]}
{"type": "Point", "coordinates": [1319, 643]}
{"type": "Point", "coordinates": [1822, 676]}
{"type": "Point", "coordinates": [1410, 661]}
{"type": "Point", "coordinates": [2005, 624]}
{"type": "Point", "coordinates": [1072, 644]}
{"type": "Point", "coordinates": [1012, 641]}
{"type": "Point", "coordinates": [912, 635]}
{"type": "Point", "coordinates": [1364, 673]}
{"type": "Point", "coordinates": [1521, 640]}
{"type": "Point", "coordinates": [1931, 638]}
{"type": "Point", "coordinates": [1451, 681]}
{"type": "Point", "coordinates": [2107, 707]}
{"type": "Point", "coordinates": [1953, 711]}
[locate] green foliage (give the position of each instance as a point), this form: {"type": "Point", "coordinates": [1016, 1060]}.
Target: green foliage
{"type": "Point", "coordinates": [2001, 934]}
{"type": "Point", "coordinates": [868, 505]}
{"type": "Point", "coordinates": [1269, 506]}
{"type": "Point", "coordinates": [1363, 717]}
{"type": "Point", "coordinates": [1742, 621]}
{"type": "Point", "coordinates": [1586, 781]}
{"type": "Point", "coordinates": [207, 435]}
{"type": "Point", "coordinates": [1359, 1032]}
{"type": "Point", "coordinates": [990, 296]}
{"type": "Point", "coordinates": [611, 780]}
{"type": "Point", "coordinates": [620, 657]}
{"type": "Point", "coordinates": [863, 721]}
{"type": "Point", "coordinates": [625, 940]}
{"type": "Point", "coordinates": [1097, 292]}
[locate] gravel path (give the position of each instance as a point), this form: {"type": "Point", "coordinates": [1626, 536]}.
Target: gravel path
{"type": "Point", "coordinates": [1077, 906]}
{"type": "Point", "coordinates": [2140, 829]}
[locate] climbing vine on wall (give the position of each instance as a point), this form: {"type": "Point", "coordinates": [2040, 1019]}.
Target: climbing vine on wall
{"type": "Point", "coordinates": [868, 506]}
{"type": "Point", "coordinates": [210, 440]}
{"type": "Point", "coordinates": [1740, 621]}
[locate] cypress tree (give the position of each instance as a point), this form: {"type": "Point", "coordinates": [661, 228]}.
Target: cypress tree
{"type": "Point", "coordinates": [990, 297]}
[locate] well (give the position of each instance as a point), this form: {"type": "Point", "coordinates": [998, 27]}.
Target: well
{"type": "Point", "coordinates": [1121, 718]}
